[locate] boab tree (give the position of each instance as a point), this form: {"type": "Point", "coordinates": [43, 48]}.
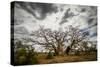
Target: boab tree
{"type": "Point", "coordinates": [56, 40]}
{"type": "Point", "coordinates": [75, 38]}
{"type": "Point", "coordinates": [52, 40]}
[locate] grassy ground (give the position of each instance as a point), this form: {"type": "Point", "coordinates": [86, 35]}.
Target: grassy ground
{"type": "Point", "coordinates": [66, 58]}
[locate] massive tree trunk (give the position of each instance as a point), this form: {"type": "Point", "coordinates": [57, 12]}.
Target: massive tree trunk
{"type": "Point", "coordinates": [58, 50]}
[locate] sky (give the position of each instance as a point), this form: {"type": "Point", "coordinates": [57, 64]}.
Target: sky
{"type": "Point", "coordinates": [28, 16]}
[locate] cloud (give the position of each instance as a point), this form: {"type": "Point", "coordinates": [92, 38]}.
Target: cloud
{"type": "Point", "coordinates": [54, 16]}
{"type": "Point", "coordinates": [38, 10]}
{"type": "Point", "coordinates": [94, 34]}
{"type": "Point", "coordinates": [67, 14]}
{"type": "Point", "coordinates": [21, 30]}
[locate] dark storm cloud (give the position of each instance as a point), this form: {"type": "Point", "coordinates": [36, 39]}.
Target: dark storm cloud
{"type": "Point", "coordinates": [42, 8]}
{"type": "Point", "coordinates": [83, 10]}
{"type": "Point", "coordinates": [89, 27]}
{"type": "Point", "coordinates": [94, 34]}
{"type": "Point", "coordinates": [86, 33]}
{"type": "Point", "coordinates": [90, 20]}
{"type": "Point", "coordinates": [37, 13]}
{"type": "Point", "coordinates": [63, 21]}
{"type": "Point", "coordinates": [93, 10]}
{"type": "Point", "coordinates": [68, 14]}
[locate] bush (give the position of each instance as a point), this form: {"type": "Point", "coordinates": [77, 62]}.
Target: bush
{"type": "Point", "coordinates": [50, 55]}
{"type": "Point", "coordinates": [77, 53]}
{"type": "Point", "coordinates": [23, 55]}
{"type": "Point", "coordinates": [31, 57]}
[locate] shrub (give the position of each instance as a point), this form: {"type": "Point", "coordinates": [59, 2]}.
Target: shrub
{"type": "Point", "coordinates": [50, 55]}
{"type": "Point", "coordinates": [23, 55]}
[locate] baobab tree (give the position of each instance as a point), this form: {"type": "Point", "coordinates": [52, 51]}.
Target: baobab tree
{"type": "Point", "coordinates": [76, 38]}
{"type": "Point", "coordinates": [52, 40]}
{"type": "Point", "coordinates": [56, 40]}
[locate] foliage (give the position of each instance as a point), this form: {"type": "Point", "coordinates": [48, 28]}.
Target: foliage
{"type": "Point", "coordinates": [24, 55]}
{"type": "Point", "coordinates": [50, 55]}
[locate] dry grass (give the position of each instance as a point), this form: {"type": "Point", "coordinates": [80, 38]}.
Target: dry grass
{"type": "Point", "coordinates": [66, 58]}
